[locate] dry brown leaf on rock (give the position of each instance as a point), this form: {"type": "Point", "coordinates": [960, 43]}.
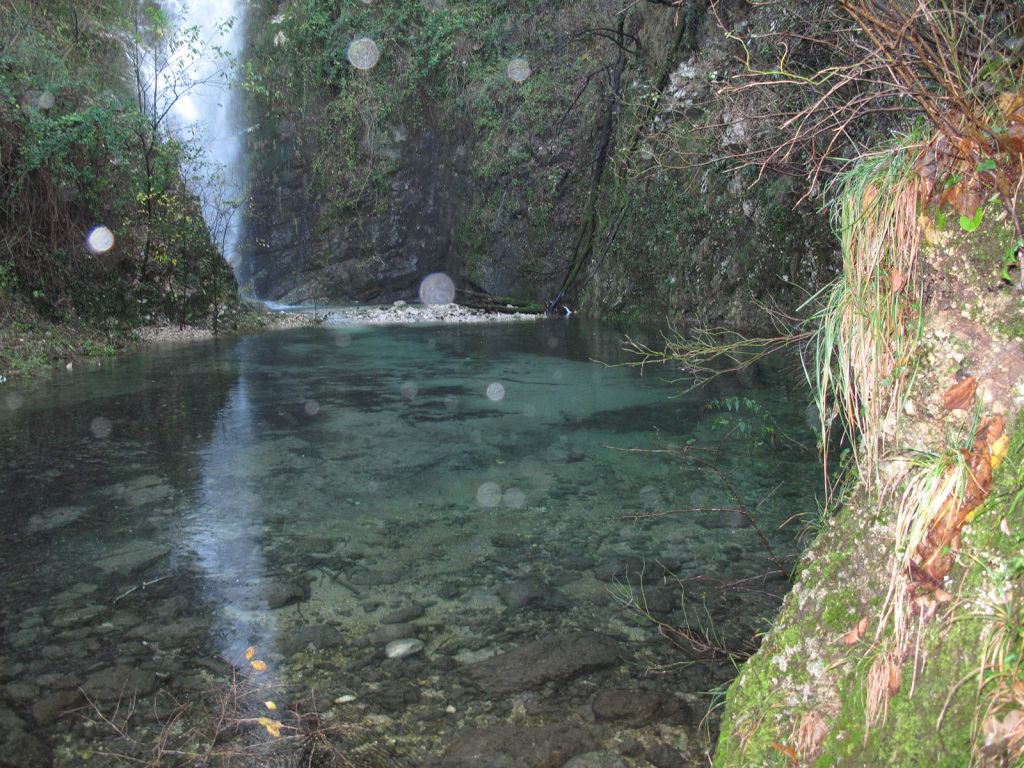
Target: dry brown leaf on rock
{"type": "Point", "coordinates": [857, 632]}
{"type": "Point", "coordinates": [789, 752]}
{"type": "Point", "coordinates": [960, 395]}
{"type": "Point", "coordinates": [942, 539]}
{"type": "Point", "coordinates": [810, 733]}
{"type": "Point", "coordinates": [884, 680]}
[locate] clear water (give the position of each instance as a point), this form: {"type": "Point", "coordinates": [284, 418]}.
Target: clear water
{"type": "Point", "coordinates": [297, 491]}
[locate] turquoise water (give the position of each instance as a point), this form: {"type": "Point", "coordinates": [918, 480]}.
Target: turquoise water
{"type": "Point", "coordinates": [317, 493]}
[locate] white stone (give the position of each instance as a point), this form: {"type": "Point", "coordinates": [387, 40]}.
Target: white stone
{"type": "Point", "coordinates": [408, 646]}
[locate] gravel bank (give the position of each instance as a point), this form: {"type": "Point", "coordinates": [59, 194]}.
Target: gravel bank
{"type": "Point", "coordinates": [397, 313]}
{"type": "Point", "coordinates": [401, 312]}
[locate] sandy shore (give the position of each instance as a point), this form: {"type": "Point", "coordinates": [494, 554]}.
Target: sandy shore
{"type": "Point", "coordinates": [398, 313]}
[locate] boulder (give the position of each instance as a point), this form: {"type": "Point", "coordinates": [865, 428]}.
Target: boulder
{"type": "Point", "coordinates": [555, 659]}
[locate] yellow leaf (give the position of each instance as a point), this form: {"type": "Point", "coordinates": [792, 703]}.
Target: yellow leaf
{"type": "Point", "coordinates": [270, 705]}
{"type": "Point", "coordinates": [249, 653]}
{"type": "Point", "coordinates": [273, 726]}
{"type": "Point", "coordinates": [999, 449]}
{"type": "Point", "coordinates": [258, 665]}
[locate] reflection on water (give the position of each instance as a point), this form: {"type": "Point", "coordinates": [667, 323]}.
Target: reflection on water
{"type": "Point", "coordinates": [325, 492]}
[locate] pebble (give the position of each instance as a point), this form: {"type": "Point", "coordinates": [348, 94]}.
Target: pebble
{"type": "Point", "coordinates": [407, 646]}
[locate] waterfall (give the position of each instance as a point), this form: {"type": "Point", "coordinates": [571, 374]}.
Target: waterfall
{"type": "Point", "coordinates": [207, 114]}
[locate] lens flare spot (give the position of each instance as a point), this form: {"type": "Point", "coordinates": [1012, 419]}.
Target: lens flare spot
{"type": "Point", "coordinates": [46, 100]}
{"type": "Point", "coordinates": [451, 402]}
{"type": "Point", "coordinates": [409, 390]}
{"type": "Point", "coordinates": [100, 427]}
{"type": "Point", "coordinates": [14, 401]}
{"type": "Point", "coordinates": [489, 495]}
{"type": "Point", "coordinates": [552, 341]}
{"type": "Point", "coordinates": [363, 53]}
{"type": "Point", "coordinates": [437, 288]}
{"type": "Point", "coordinates": [312, 407]}
{"type": "Point", "coordinates": [518, 69]}
{"type": "Point", "coordinates": [513, 498]}
{"type": "Point", "coordinates": [99, 240]}
{"type": "Point", "coordinates": [495, 391]}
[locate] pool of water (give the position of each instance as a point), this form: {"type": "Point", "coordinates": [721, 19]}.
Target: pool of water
{"type": "Point", "coordinates": [561, 543]}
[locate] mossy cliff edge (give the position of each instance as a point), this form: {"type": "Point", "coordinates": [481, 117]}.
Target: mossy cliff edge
{"type": "Point", "coordinates": [831, 684]}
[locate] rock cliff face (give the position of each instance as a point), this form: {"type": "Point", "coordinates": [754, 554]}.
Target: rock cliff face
{"type": "Point", "coordinates": [580, 177]}
{"type": "Point", "coordinates": [375, 255]}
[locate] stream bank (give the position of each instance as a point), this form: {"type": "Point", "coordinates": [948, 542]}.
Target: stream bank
{"type": "Point", "coordinates": [832, 684]}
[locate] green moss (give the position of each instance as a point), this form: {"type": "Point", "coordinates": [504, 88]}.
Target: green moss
{"type": "Point", "coordinates": [804, 664]}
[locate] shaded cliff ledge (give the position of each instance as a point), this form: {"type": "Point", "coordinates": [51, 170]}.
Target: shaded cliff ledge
{"type": "Point", "coordinates": [835, 683]}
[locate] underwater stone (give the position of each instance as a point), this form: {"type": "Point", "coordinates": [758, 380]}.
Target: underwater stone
{"type": "Point", "coordinates": [279, 595]}
{"type": "Point", "coordinates": [408, 646]}
{"type": "Point", "coordinates": [597, 760]}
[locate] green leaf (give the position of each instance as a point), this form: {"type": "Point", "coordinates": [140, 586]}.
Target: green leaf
{"type": "Point", "coordinates": [969, 224]}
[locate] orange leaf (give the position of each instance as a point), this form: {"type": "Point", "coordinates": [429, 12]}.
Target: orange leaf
{"type": "Point", "coordinates": [960, 395]}
{"type": "Point", "coordinates": [897, 281]}
{"type": "Point", "coordinates": [249, 653]}
{"type": "Point", "coordinates": [857, 632]}
{"type": "Point", "coordinates": [258, 665]}
{"type": "Point", "coordinates": [787, 751]}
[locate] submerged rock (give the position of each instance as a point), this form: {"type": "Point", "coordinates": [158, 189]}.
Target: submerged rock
{"type": "Point", "coordinates": [597, 760]}
{"type": "Point", "coordinates": [559, 658]}
{"type": "Point", "coordinates": [639, 708]}
{"type": "Point", "coordinates": [510, 746]}
{"type": "Point", "coordinates": [279, 595]}
{"type": "Point", "coordinates": [116, 683]}
{"type": "Point", "coordinates": [49, 708]}
{"type": "Point", "coordinates": [319, 636]}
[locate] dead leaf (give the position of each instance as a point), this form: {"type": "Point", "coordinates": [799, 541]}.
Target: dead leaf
{"type": "Point", "coordinates": [999, 450]}
{"type": "Point", "coordinates": [810, 733]}
{"type": "Point", "coordinates": [897, 281]}
{"type": "Point", "coordinates": [925, 607]}
{"type": "Point", "coordinates": [258, 665]}
{"type": "Point", "coordinates": [787, 751]}
{"type": "Point", "coordinates": [857, 632]}
{"type": "Point", "coordinates": [895, 679]}
{"type": "Point", "coordinates": [249, 653]}
{"type": "Point", "coordinates": [273, 726]}
{"type": "Point", "coordinates": [960, 395]}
